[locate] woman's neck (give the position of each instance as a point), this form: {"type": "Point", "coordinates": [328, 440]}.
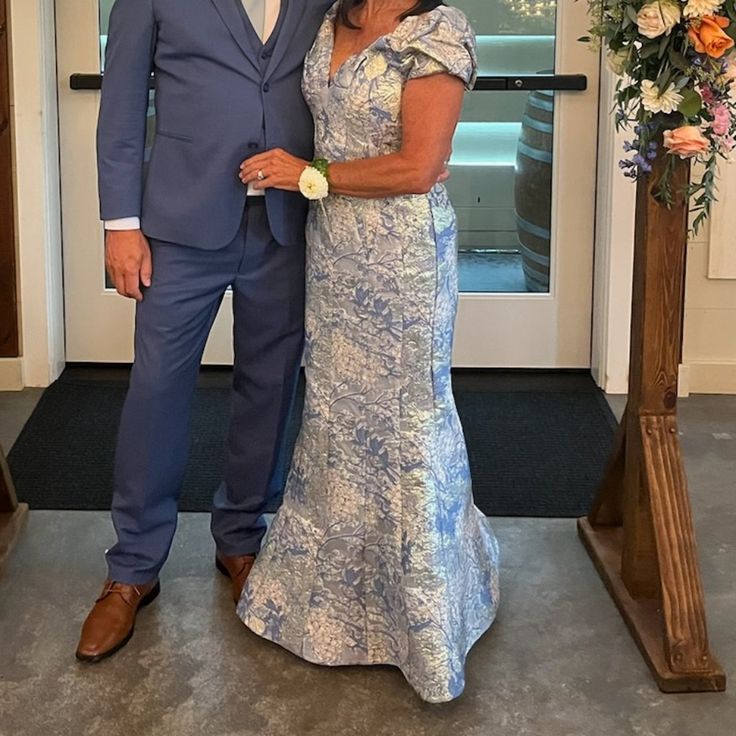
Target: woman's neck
{"type": "Point", "coordinates": [372, 9]}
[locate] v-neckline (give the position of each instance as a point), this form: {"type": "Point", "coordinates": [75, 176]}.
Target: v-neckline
{"type": "Point", "coordinates": [332, 28]}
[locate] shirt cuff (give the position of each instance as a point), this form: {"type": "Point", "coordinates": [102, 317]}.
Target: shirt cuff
{"type": "Point", "coordinates": [124, 223]}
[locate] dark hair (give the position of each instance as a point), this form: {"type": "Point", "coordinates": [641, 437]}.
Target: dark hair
{"type": "Point", "coordinates": [420, 7]}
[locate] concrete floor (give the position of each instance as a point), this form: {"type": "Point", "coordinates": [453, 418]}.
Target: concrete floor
{"type": "Point", "coordinates": [558, 662]}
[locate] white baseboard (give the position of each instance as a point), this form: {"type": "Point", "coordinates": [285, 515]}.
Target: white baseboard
{"type": "Point", "coordinates": [707, 378]}
{"type": "Point", "coordinates": [11, 374]}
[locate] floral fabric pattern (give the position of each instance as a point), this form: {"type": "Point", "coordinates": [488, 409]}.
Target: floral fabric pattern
{"type": "Point", "coordinates": [378, 555]}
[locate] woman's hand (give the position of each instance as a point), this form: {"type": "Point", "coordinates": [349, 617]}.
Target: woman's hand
{"type": "Point", "coordinates": [274, 169]}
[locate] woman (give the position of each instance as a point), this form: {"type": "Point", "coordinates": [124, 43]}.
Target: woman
{"type": "Point", "coordinates": [378, 555]}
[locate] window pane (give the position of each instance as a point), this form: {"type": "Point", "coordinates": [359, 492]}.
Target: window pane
{"type": "Point", "coordinates": [501, 181]}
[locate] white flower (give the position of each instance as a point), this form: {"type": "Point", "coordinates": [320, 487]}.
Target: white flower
{"type": "Point", "coordinates": [700, 8]}
{"type": "Point", "coordinates": [313, 184]}
{"type": "Point", "coordinates": [653, 100]}
{"type": "Point", "coordinates": [657, 17]}
{"type": "Point", "coordinates": [617, 61]}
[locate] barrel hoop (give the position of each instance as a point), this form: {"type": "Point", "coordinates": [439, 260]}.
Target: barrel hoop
{"type": "Point", "coordinates": [535, 153]}
{"type": "Point", "coordinates": [534, 282]}
{"type": "Point", "coordinates": [540, 276]}
{"type": "Point", "coordinates": [539, 125]}
{"type": "Point", "coordinates": [547, 106]}
{"type": "Point", "coordinates": [534, 256]}
{"type": "Point", "coordinates": [532, 229]}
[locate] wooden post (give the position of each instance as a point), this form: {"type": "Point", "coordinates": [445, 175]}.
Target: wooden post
{"type": "Point", "coordinates": [639, 531]}
{"type": "Point", "coordinates": [12, 514]}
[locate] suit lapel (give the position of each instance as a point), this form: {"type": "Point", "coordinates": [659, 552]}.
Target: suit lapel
{"type": "Point", "coordinates": [234, 21]}
{"type": "Point", "coordinates": [294, 14]}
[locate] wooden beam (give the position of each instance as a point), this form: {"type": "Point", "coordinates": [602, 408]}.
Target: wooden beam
{"type": "Point", "coordinates": [9, 333]}
{"type": "Point", "coordinates": [12, 514]}
{"type": "Point", "coordinates": [639, 531]}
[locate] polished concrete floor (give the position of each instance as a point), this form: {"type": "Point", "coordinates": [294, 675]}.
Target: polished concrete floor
{"type": "Point", "coordinates": [558, 662]}
{"type": "Point", "coordinates": [491, 272]}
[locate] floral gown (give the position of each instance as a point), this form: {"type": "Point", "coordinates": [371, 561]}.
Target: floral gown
{"type": "Point", "coordinates": [378, 555]}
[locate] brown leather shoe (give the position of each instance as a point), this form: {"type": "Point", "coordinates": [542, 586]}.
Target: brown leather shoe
{"type": "Point", "coordinates": [111, 622]}
{"type": "Point", "coordinates": [237, 569]}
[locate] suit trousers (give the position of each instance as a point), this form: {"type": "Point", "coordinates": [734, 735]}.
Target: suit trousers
{"type": "Point", "coordinates": [172, 326]}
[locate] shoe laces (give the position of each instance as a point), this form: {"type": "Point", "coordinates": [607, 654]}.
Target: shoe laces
{"type": "Point", "coordinates": [122, 589]}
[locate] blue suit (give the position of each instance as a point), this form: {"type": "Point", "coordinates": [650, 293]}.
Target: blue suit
{"type": "Point", "coordinates": [221, 96]}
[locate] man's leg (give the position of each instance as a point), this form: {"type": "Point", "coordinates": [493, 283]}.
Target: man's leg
{"type": "Point", "coordinates": [172, 325]}
{"type": "Point", "coordinates": [268, 307]}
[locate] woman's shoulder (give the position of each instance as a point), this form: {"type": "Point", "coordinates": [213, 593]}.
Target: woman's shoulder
{"type": "Point", "coordinates": [441, 40]}
{"type": "Point", "coordinates": [444, 19]}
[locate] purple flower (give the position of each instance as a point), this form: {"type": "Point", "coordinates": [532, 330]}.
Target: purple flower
{"type": "Point", "coordinates": [707, 94]}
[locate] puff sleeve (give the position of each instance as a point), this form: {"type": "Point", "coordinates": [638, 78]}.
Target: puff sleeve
{"type": "Point", "coordinates": [442, 41]}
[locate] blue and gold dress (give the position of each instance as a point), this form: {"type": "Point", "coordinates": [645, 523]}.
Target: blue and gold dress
{"type": "Point", "coordinates": [378, 555]}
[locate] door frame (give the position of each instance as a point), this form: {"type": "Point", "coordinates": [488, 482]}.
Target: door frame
{"type": "Point", "coordinates": [9, 328]}
{"type": "Point", "coordinates": [37, 195]}
{"type": "Point", "coordinates": [39, 215]}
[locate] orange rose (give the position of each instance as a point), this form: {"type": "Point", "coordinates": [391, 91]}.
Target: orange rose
{"type": "Point", "coordinates": [708, 37]}
{"type": "Point", "coordinates": [686, 141]}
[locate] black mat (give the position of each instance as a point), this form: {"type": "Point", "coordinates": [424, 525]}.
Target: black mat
{"type": "Point", "coordinates": [537, 440]}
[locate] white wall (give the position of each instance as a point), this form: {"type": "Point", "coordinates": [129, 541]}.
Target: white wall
{"type": "Point", "coordinates": [614, 254]}
{"type": "Point", "coordinates": [709, 350]}
{"type": "Point", "coordinates": [710, 327]}
{"type": "Point", "coordinates": [38, 210]}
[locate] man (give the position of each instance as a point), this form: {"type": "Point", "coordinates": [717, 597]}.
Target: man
{"type": "Point", "coordinates": [228, 76]}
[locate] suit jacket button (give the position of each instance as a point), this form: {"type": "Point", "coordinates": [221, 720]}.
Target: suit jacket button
{"type": "Point", "coordinates": [252, 145]}
{"type": "Point", "coordinates": [266, 87]}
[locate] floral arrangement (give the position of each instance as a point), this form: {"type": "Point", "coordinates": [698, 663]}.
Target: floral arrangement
{"type": "Point", "coordinates": [675, 63]}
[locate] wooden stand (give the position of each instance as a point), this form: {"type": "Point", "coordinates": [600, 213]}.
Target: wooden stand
{"type": "Point", "coordinates": [639, 532]}
{"type": "Point", "coordinates": [12, 514]}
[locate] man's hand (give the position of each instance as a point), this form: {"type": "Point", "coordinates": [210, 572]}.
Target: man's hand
{"type": "Point", "coordinates": [128, 262]}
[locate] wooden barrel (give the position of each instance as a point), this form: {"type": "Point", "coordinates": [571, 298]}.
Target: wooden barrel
{"type": "Point", "coordinates": [533, 188]}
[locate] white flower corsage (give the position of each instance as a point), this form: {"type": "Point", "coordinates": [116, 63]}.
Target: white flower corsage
{"type": "Point", "coordinates": [314, 183]}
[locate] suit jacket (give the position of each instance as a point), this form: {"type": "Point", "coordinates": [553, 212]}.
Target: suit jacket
{"type": "Point", "coordinates": [219, 100]}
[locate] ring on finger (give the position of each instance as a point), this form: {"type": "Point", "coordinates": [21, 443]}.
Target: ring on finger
{"type": "Point", "coordinates": [261, 175]}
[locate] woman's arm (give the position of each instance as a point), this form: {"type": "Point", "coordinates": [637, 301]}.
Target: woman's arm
{"type": "Point", "coordinates": [430, 111]}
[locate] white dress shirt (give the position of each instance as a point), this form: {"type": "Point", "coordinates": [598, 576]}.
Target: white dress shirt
{"type": "Point", "coordinates": [264, 15]}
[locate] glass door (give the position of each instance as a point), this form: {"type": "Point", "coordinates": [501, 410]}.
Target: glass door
{"type": "Point", "coordinates": [99, 323]}
{"type": "Point", "coordinates": [522, 183]}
